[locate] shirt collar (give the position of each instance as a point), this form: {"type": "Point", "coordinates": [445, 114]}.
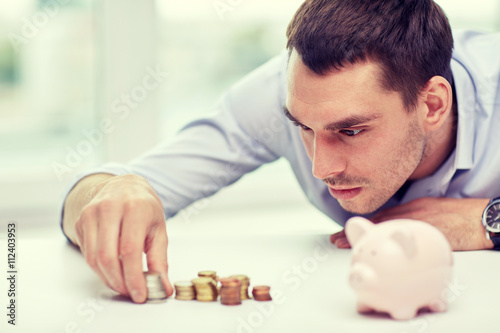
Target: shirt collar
{"type": "Point", "coordinates": [466, 101]}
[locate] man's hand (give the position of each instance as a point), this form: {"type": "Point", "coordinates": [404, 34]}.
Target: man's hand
{"type": "Point", "coordinates": [114, 219]}
{"type": "Point", "coordinates": [458, 219]}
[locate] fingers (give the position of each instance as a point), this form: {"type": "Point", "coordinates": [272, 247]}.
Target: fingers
{"type": "Point", "coordinates": [340, 240]}
{"type": "Point", "coordinates": [131, 247]}
{"type": "Point", "coordinates": [342, 243]}
{"type": "Point", "coordinates": [108, 260]}
{"type": "Point", "coordinates": [122, 221]}
{"type": "Point", "coordinates": [86, 230]}
{"type": "Point", "coordinates": [156, 253]}
{"type": "Point", "coordinates": [337, 235]}
{"type": "Point", "coordinates": [112, 240]}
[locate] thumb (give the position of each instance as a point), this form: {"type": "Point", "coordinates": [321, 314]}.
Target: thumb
{"type": "Point", "coordinates": [156, 255]}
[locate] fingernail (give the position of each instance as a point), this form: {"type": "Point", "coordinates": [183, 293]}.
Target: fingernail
{"type": "Point", "coordinates": [166, 282]}
{"type": "Point", "coordinates": [136, 296]}
{"type": "Point", "coordinates": [170, 289]}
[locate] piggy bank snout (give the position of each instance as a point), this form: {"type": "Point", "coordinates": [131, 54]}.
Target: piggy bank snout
{"type": "Point", "coordinates": [361, 276]}
{"type": "Point", "coordinates": [356, 280]}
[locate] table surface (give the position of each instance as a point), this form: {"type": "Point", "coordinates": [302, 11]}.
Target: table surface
{"type": "Point", "coordinates": [285, 247]}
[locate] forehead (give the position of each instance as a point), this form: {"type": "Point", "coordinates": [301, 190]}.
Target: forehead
{"type": "Point", "coordinates": [359, 81]}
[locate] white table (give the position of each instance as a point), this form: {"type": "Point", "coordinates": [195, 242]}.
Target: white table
{"type": "Point", "coordinates": [284, 247]}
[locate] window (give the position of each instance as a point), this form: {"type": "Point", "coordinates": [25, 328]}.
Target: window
{"type": "Point", "coordinates": [47, 63]}
{"type": "Point", "coordinates": [72, 72]}
{"type": "Point", "coordinates": [462, 14]}
{"type": "Point", "coordinates": [208, 45]}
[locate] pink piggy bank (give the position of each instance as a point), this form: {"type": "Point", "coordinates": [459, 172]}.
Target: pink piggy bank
{"type": "Point", "coordinates": [398, 266]}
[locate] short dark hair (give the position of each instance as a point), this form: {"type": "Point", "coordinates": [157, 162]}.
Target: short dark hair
{"type": "Point", "coordinates": [410, 39]}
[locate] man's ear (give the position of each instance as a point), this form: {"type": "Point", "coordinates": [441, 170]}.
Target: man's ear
{"type": "Point", "coordinates": [356, 227]}
{"type": "Point", "coordinates": [437, 95]}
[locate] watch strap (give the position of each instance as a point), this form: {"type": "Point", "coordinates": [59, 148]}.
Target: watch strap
{"type": "Point", "coordinates": [496, 242]}
{"type": "Point", "coordinates": [493, 200]}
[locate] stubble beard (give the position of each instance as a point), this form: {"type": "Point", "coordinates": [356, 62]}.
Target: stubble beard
{"type": "Point", "coordinates": [405, 162]}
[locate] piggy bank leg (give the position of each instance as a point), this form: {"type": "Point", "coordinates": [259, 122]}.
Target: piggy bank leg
{"type": "Point", "coordinates": [403, 313]}
{"type": "Point", "coordinates": [363, 308]}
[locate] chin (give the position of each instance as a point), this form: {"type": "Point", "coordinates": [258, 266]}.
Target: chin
{"type": "Point", "coordinates": [359, 208]}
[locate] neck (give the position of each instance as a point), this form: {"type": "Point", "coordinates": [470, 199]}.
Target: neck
{"type": "Point", "coordinates": [440, 144]}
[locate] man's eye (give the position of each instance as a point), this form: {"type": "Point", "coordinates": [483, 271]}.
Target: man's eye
{"type": "Point", "coordinates": [302, 127]}
{"type": "Point", "coordinates": [351, 132]}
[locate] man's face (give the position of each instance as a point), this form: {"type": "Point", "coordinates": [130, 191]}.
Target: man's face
{"type": "Point", "coordinates": [361, 140]}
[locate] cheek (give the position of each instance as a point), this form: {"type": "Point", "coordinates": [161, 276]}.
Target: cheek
{"type": "Point", "coordinates": [372, 155]}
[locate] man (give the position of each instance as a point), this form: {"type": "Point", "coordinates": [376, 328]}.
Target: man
{"type": "Point", "coordinates": [388, 123]}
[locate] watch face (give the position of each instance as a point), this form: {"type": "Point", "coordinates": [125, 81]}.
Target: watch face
{"type": "Point", "coordinates": [493, 217]}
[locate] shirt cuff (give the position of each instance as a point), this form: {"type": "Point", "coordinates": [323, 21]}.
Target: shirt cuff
{"type": "Point", "coordinates": [110, 168]}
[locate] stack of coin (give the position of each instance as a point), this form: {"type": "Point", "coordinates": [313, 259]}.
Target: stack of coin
{"type": "Point", "coordinates": [245, 282]}
{"type": "Point", "coordinates": [210, 274]}
{"type": "Point", "coordinates": [206, 289]}
{"type": "Point", "coordinates": [184, 290]}
{"type": "Point", "coordinates": [230, 291]}
{"type": "Point", "coordinates": [261, 293]}
{"type": "Point", "coordinates": [154, 284]}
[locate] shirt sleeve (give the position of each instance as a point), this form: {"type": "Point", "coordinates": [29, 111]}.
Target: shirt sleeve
{"type": "Point", "coordinates": [245, 130]}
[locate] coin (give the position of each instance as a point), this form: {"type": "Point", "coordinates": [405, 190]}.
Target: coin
{"type": "Point", "coordinates": [261, 293]}
{"type": "Point", "coordinates": [211, 274]}
{"type": "Point", "coordinates": [155, 287]}
{"type": "Point", "coordinates": [205, 288]}
{"type": "Point", "coordinates": [230, 282]}
{"type": "Point", "coordinates": [245, 283]}
{"type": "Point", "coordinates": [230, 291]}
{"type": "Point", "coordinates": [184, 290]}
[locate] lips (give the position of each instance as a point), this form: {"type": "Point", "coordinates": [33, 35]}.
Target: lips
{"type": "Point", "coordinates": [345, 194]}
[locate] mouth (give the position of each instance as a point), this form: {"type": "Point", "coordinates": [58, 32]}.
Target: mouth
{"type": "Point", "coordinates": [344, 193]}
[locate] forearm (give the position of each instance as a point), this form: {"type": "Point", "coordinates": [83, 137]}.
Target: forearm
{"type": "Point", "coordinates": [458, 219]}
{"type": "Point", "coordinates": [80, 196]}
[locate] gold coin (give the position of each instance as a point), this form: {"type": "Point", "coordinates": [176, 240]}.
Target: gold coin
{"type": "Point", "coordinates": [202, 280]}
{"type": "Point", "coordinates": [211, 274]}
{"type": "Point", "coordinates": [243, 278]}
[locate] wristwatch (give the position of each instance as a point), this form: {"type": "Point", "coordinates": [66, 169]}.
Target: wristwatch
{"type": "Point", "coordinates": [491, 222]}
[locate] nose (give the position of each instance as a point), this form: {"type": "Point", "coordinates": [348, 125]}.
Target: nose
{"type": "Point", "coordinates": [328, 158]}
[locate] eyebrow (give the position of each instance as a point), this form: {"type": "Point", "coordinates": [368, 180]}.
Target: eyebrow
{"type": "Point", "coordinates": [340, 124]}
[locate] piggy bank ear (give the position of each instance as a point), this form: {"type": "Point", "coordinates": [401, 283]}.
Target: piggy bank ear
{"type": "Point", "coordinates": [405, 240]}
{"type": "Point", "coordinates": [355, 228]}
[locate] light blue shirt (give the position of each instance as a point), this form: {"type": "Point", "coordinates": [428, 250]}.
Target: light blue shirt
{"type": "Point", "coordinates": [248, 128]}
